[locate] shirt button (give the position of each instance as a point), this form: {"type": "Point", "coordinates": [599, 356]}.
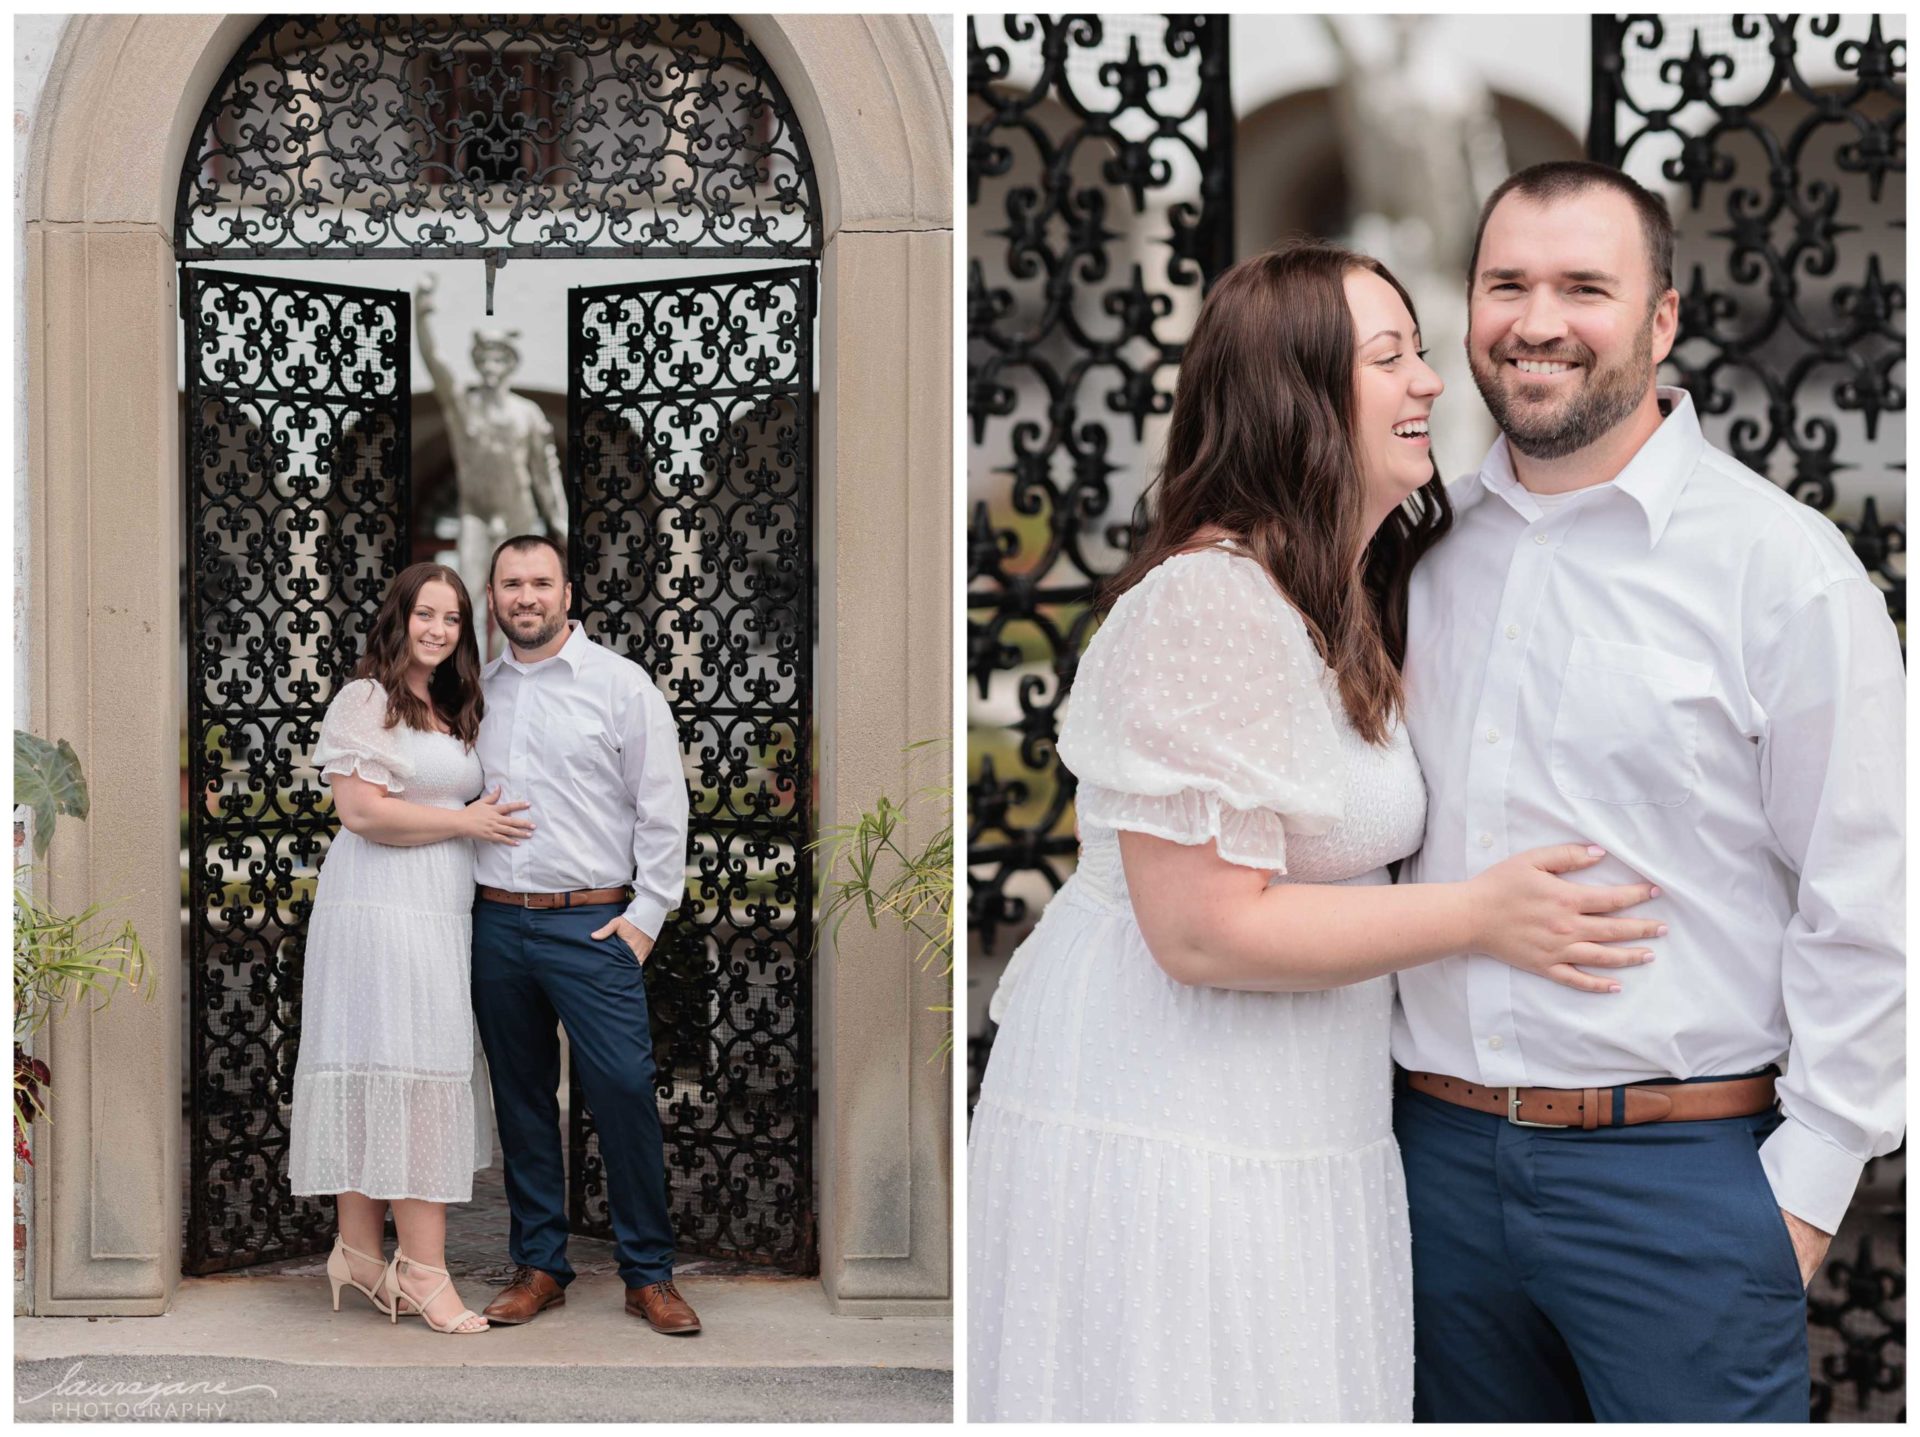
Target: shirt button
{"type": "Point", "coordinates": [1486, 840]}
{"type": "Point", "coordinates": [1494, 1042]}
{"type": "Point", "coordinates": [1539, 538]}
{"type": "Point", "coordinates": [1513, 631]}
{"type": "Point", "coordinates": [1493, 735]}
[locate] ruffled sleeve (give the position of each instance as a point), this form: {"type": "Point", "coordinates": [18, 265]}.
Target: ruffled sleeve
{"type": "Point", "coordinates": [355, 739]}
{"type": "Point", "coordinates": [1201, 713]}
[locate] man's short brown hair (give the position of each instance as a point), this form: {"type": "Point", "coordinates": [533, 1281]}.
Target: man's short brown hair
{"type": "Point", "coordinates": [519, 543]}
{"type": "Point", "coordinates": [1562, 179]}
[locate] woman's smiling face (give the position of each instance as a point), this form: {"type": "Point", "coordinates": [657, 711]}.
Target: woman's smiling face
{"type": "Point", "coordinates": [1393, 394]}
{"type": "Point", "coordinates": [433, 628]}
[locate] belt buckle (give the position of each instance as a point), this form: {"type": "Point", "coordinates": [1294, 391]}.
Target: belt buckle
{"type": "Point", "coordinates": [1513, 1113]}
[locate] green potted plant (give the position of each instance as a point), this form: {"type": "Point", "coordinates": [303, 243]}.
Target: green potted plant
{"type": "Point", "coordinates": [57, 957]}
{"type": "Point", "coordinates": [866, 866]}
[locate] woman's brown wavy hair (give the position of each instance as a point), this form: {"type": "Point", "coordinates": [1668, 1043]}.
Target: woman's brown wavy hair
{"type": "Point", "coordinates": [455, 685]}
{"type": "Point", "coordinates": [1260, 445]}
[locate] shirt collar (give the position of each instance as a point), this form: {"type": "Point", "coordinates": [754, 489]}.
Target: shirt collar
{"type": "Point", "coordinates": [1653, 478]}
{"type": "Point", "coordinates": [574, 651]}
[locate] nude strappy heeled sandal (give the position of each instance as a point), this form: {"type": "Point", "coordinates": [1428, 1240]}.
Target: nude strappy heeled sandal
{"type": "Point", "coordinates": [340, 1274]}
{"type": "Point", "coordinates": [418, 1305]}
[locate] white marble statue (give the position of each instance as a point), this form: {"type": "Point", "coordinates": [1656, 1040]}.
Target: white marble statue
{"type": "Point", "coordinates": [504, 460]}
{"type": "Point", "coordinates": [1422, 147]}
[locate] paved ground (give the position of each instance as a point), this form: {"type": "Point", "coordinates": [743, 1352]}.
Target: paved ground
{"type": "Point", "coordinates": [477, 1239]}
{"type": "Point", "coordinates": [771, 1351]}
{"type": "Point", "coordinates": [186, 1389]}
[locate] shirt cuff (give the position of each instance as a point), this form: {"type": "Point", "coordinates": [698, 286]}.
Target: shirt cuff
{"type": "Point", "coordinates": [1810, 1177]}
{"type": "Point", "coordinates": [647, 913]}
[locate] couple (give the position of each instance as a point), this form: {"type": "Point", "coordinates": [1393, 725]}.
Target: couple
{"type": "Point", "coordinates": [513, 839]}
{"type": "Point", "coordinates": [1268, 1135]}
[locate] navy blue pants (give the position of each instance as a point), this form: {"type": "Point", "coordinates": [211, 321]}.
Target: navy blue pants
{"type": "Point", "coordinates": [1637, 1274]}
{"type": "Point", "coordinates": [533, 971]}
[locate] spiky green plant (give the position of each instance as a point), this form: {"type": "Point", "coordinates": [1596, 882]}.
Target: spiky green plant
{"type": "Point", "coordinates": [867, 867]}
{"type": "Point", "coordinates": [57, 958]}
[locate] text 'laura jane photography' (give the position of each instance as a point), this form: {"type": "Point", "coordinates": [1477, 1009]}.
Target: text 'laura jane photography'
{"type": "Point", "coordinates": [78, 1398]}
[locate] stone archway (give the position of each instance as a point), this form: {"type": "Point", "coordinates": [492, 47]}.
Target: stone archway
{"type": "Point", "coordinates": [873, 97]}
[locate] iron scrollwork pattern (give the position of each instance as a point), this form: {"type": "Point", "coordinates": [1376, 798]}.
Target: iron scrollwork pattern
{"type": "Point", "coordinates": [297, 461]}
{"type": "Point", "coordinates": [1770, 154]}
{"type": "Point", "coordinates": [1792, 339]}
{"type": "Point", "coordinates": [447, 136]}
{"type": "Point", "coordinates": [1085, 135]}
{"type": "Point", "coordinates": [690, 466]}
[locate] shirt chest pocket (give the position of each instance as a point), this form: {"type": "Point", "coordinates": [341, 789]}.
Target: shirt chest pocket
{"type": "Point", "coordinates": [583, 744]}
{"type": "Point", "coordinates": [1627, 724]}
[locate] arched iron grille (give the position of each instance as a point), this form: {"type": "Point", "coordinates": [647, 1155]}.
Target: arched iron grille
{"type": "Point", "coordinates": [1082, 132]}
{"type": "Point", "coordinates": [548, 136]}
{"type": "Point", "coordinates": [447, 135]}
{"type": "Point", "coordinates": [1786, 135]}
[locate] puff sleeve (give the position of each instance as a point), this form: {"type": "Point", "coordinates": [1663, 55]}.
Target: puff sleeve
{"type": "Point", "coordinates": [1202, 712]}
{"type": "Point", "coordinates": [355, 739]}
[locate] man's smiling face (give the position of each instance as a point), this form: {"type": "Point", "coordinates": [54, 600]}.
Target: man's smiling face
{"type": "Point", "coordinates": [1563, 331]}
{"type": "Point", "coordinates": [530, 595]}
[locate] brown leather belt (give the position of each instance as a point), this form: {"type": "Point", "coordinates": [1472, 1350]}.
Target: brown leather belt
{"type": "Point", "coordinates": [1590, 1108]}
{"type": "Point", "coordinates": [579, 898]}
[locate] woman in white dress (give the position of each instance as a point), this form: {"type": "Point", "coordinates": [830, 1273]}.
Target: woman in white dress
{"type": "Point", "coordinates": [389, 1100]}
{"type": "Point", "coordinates": [1185, 1200]}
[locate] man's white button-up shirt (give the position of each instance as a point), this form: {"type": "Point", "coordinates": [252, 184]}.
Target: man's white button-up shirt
{"type": "Point", "coordinates": [588, 740]}
{"type": "Point", "coordinates": [1691, 669]}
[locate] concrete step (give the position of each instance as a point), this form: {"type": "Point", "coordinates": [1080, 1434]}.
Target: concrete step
{"type": "Point", "coordinates": [749, 1322]}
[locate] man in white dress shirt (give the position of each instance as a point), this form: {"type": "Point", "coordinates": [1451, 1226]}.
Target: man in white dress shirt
{"type": "Point", "coordinates": [562, 923]}
{"type": "Point", "coordinates": [1630, 639]}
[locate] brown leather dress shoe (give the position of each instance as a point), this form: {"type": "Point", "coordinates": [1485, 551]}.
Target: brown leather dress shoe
{"type": "Point", "coordinates": [530, 1293]}
{"type": "Point", "coordinates": [664, 1309]}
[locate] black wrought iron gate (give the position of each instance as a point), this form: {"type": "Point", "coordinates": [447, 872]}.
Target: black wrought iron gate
{"type": "Point", "coordinates": [1100, 151]}
{"type": "Point", "coordinates": [1792, 306]}
{"type": "Point", "coordinates": [1792, 225]}
{"type": "Point", "coordinates": [297, 458]}
{"type": "Point", "coordinates": [690, 468]}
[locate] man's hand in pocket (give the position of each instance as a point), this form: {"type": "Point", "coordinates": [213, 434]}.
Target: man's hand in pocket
{"type": "Point", "coordinates": [641, 946]}
{"type": "Point", "coordinates": [1809, 1245]}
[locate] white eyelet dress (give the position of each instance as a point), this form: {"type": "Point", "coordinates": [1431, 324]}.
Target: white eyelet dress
{"type": "Point", "coordinates": [389, 1090]}
{"type": "Point", "coordinates": [1186, 1203]}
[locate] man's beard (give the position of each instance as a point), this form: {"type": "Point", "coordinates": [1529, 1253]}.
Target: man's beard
{"type": "Point", "coordinates": [1604, 399]}
{"type": "Point", "coordinates": [540, 638]}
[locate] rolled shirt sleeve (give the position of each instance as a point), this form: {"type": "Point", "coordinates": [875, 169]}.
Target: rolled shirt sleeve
{"type": "Point", "coordinates": [650, 769]}
{"type": "Point", "coordinates": [1832, 771]}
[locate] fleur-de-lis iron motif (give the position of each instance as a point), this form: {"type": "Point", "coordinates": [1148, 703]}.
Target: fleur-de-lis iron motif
{"type": "Point", "coordinates": [689, 470]}
{"type": "Point", "coordinates": [297, 443]}
{"type": "Point", "coordinates": [1061, 381]}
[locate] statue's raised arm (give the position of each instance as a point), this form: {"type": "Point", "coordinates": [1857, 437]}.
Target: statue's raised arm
{"type": "Point", "coordinates": [444, 388]}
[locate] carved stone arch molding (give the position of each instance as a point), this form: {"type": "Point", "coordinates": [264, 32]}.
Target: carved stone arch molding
{"type": "Point", "coordinates": [873, 96]}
